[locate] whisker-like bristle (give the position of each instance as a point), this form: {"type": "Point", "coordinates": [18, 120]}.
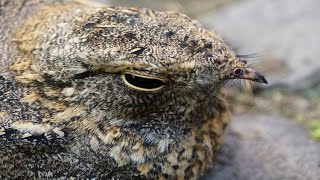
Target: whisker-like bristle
{"type": "Point", "coordinates": [248, 56]}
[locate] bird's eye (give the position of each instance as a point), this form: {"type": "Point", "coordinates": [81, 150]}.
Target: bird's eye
{"type": "Point", "coordinates": [142, 83]}
{"type": "Point", "coordinates": [238, 72]}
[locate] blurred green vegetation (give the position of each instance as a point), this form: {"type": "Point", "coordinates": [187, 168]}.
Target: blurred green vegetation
{"type": "Point", "coordinates": [314, 95]}
{"type": "Point", "coordinates": [303, 106]}
{"type": "Point", "coordinates": [315, 129]}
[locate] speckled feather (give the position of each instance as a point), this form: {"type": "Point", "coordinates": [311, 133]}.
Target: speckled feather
{"type": "Point", "coordinates": [65, 110]}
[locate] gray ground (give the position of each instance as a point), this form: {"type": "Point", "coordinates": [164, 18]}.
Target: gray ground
{"type": "Point", "coordinates": [263, 147]}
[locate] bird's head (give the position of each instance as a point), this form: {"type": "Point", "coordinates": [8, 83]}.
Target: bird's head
{"type": "Point", "coordinates": [132, 65]}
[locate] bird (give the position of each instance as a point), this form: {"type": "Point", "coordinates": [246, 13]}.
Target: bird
{"type": "Point", "coordinates": [104, 92]}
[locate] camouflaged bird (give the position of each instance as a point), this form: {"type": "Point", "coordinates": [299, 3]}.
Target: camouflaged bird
{"type": "Point", "coordinates": [110, 92]}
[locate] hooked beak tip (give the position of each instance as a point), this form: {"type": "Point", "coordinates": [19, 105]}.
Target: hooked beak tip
{"type": "Point", "coordinates": [261, 78]}
{"type": "Point", "coordinates": [250, 74]}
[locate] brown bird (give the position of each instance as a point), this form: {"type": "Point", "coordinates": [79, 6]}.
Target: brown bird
{"type": "Point", "coordinates": [110, 93]}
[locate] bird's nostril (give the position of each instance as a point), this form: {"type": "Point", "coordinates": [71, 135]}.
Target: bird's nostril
{"type": "Point", "coordinates": [238, 71]}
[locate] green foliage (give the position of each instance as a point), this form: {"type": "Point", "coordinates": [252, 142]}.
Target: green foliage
{"type": "Point", "coordinates": [313, 93]}
{"type": "Point", "coordinates": [315, 129]}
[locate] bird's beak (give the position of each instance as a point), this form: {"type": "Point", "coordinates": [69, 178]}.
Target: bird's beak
{"type": "Point", "coordinates": [251, 74]}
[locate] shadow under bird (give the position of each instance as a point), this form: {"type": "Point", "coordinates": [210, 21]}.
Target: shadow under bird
{"type": "Point", "coordinates": [110, 92]}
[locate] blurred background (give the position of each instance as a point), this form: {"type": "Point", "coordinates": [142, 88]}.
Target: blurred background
{"type": "Point", "coordinates": [275, 129]}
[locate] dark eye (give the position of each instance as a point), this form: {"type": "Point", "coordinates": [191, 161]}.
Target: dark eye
{"type": "Point", "coordinates": [142, 83]}
{"type": "Point", "coordinates": [238, 72]}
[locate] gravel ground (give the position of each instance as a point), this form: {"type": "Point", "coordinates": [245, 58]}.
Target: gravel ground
{"type": "Point", "coordinates": [266, 148]}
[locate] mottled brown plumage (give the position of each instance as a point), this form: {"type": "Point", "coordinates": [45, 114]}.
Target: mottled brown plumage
{"type": "Point", "coordinates": [117, 92]}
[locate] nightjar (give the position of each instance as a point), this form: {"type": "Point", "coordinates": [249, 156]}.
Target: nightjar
{"type": "Point", "coordinates": [110, 92]}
